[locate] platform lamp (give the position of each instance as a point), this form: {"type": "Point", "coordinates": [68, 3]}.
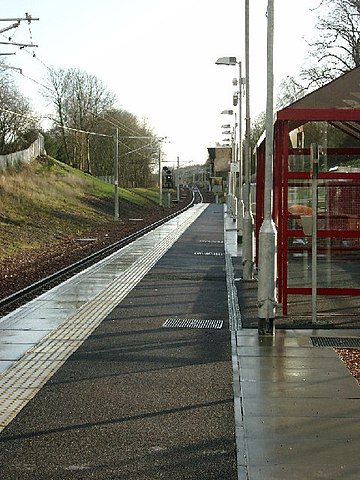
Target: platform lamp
{"type": "Point", "coordinates": [230, 112]}
{"type": "Point", "coordinates": [268, 234]}
{"type": "Point", "coordinates": [232, 176]}
{"type": "Point", "coordinates": [237, 101]}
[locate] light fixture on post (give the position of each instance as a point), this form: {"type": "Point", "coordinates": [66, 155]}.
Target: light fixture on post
{"type": "Point", "coordinates": [268, 233]}
{"type": "Point", "coordinates": [248, 223]}
{"type": "Point", "coordinates": [231, 198]}
{"type": "Point", "coordinates": [237, 102]}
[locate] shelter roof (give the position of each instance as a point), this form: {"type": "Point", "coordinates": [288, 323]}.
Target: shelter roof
{"type": "Point", "coordinates": [337, 102]}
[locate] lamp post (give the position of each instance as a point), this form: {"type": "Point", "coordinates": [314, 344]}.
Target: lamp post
{"type": "Point", "coordinates": [267, 234]}
{"type": "Point", "coordinates": [244, 193]}
{"type": "Point", "coordinates": [160, 179]}
{"type": "Point", "coordinates": [178, 180]}
{"type": "Point", "coordinates": [232, 173]}
{"type": "Point", "coordinates": [116, 174]}
{"type": "Point", "coordinates": [237, 100]}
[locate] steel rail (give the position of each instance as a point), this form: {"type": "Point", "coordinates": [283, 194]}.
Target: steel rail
{"type": "Point", "coordinates": [76, 266]}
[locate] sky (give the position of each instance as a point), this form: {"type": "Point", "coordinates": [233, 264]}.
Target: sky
{"type": "Point", "coordinates": [158, 57]}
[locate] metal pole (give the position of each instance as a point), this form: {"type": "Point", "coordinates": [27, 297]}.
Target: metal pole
{"type": "Point", "coordinates": [240, 206]}
{"type": "Point", "coordinates": [233, 173]}
{"type": "Point", "coordinates": [178, 180]}
{"type": "Point", "coordinates": [248, 219]}
{"type": "Point", "coordinates": [267, 235]}
{"type": "Point", "coordinates": [116, 176]}
{"type": "Point", "coordinates": [314, 155]}
{"type": "Point", "coordinates": [160, 180]}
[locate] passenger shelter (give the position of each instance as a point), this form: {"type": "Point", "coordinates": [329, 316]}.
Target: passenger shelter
{"type": "Point", "coordinates": [330, 118]}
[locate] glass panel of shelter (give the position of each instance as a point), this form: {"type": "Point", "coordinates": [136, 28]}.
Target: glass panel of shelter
{"type": "Point", "coordinates": [338, 198]}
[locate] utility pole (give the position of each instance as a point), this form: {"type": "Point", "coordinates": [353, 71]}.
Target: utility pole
{"type": "Point", "coordinates": [28, 18]}
{"type": "Point", "coordinates": [160, 180]}
{"type": "Point", "coordinates": [240, 201]}
{"type": "Point", "coordinates": [178, 180]}
{"type": "Point", "coordinates": [268, 234]}
{"type": "Point", "coordinates": [248, 222]}
{"type": "Point", "coordinates": [116, 175]}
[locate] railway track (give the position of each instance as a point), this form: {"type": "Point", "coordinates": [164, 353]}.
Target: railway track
{"type": "Point", "coordinates": [26, 294]}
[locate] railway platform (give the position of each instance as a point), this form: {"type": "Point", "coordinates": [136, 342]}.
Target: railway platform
{"type": "Point", "coordinates": [140, 368]}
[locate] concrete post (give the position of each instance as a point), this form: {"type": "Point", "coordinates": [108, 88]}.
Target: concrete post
{"type": "Point", "coordinates": [178, 180]}
{"type": "Point", "coordinates": [240, 201]}
{"type": "Point", "coordinates": [116, 175]}
{"type": "Point", "coordinates": [160, 180]}
{"type": "Point", "coordinates": [248, 222]}
{"type": "Point", "coordinates": [268, 234]}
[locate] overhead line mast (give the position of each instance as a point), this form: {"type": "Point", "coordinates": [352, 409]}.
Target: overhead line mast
{"type": "Point", "coordinates": [28, 18]}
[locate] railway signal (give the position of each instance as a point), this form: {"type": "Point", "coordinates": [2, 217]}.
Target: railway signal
{"type": "Point", "coordinates": [168, 177]}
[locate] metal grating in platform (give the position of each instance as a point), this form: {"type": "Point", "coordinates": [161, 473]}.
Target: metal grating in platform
{"type": "Point", "coordinates": [192, 323]}
{"type": "Point", "coordinates": [336, 342]}
{"type": "Point", "coordinates": [210, 254]}
{"type": "Point", "coordinates": [211, 241]}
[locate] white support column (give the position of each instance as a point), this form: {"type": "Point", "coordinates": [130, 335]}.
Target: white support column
{"type": "Point", "coordinates": [248, 260]}
{"type": "Point", "coordinates": [268, 234]}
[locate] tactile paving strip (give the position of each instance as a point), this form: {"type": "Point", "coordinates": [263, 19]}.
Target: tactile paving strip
{"type": "Point", "coordinates": [20, 382]}
{"type": "Point", "coordinates": [192, 323]}
{"type": "Point", "coordinates": [336, 342]}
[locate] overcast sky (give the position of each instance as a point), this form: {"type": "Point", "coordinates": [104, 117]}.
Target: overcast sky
{"type": "Point", "coordinates": [158, 57]}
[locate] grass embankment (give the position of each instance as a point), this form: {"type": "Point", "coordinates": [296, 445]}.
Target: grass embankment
{"type": "Point", "coordinates": [47, 201]}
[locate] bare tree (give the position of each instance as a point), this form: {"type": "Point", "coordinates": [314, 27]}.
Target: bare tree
{"type": "Point", "coordinates": [290, 90]}
{"type": "Point", "coordinates": [337, 48]}
{"type": "Point", "coordinates": [257, 129]}
{"type": "Point", "coordinates": [136, 142]}
{"type": "Point", "coordinates": [18, 126]}
{"type": "Point", "coordinates": [79, 98]}
{"type": "Point", "coordinates": [57, 86]}
{"type": "Point", "coordinates": [83, 104]}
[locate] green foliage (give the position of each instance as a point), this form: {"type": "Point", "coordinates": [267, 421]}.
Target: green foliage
{"type": "Point", "coordinates": [46, 201]}
{"type": "Point", "coordinates": [18, 127]}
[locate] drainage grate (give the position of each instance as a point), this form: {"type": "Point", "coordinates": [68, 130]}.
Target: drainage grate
{"type": "Point", "coordinates": [211, 241]}
{"type": "Point", "coordinates": [337, 342]}
{"type": "Point", "coordinates": [192, 323]}
{"type": "Point", "coordinates": [210, 254]}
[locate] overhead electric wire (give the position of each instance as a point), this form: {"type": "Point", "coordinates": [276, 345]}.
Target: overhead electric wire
{"type": "Point", "coordinates": [110, 120]}
{"type": "Point", "coordinates": [50, 118]}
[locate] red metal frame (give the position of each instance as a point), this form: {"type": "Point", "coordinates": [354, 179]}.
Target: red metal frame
{"type": "Point", "coordinates": [319, 114]}
{"type": "Point", "coordinates": [285, 120]}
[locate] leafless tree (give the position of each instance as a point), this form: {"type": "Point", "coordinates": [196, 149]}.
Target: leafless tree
{"type": "Point", "coordinates": [78, 98]}
{"type": "Point", "coordinates": [57, 86]}
{"type": "Point", "coordinates": [136, 141]}
{"type": "Point", "coordinates": [18, 125]}
{"type": "Point", "coordinates": [336, 50]}
{"type": "Point", "coordinates": [290, 90]}
{"type": "Point", "coordinates": [83, 104]}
